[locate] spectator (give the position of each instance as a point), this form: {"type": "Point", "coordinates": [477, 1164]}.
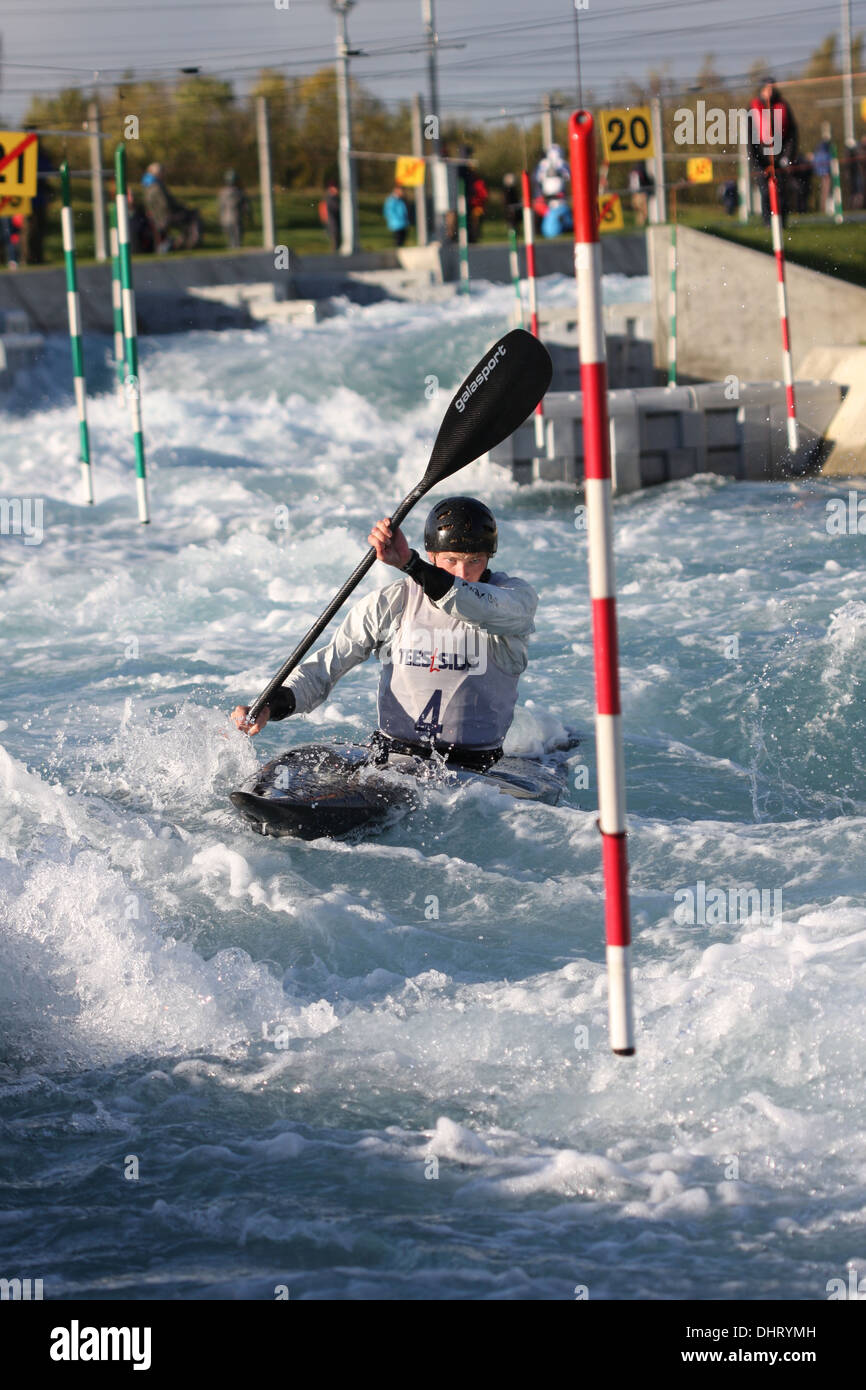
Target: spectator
{"type": "Point", "coordinates": [557, 219]}
{"type": "Point", "coordinates": [540, 209]}
{"type": "Point", "coordinates": [329, 215]}
{"type": "Point", "coordinates": [396, 213]}
{"type": "Point", "coordinates": [641, 186]}
{"type": "Point", "coordinates": [859, 198]}
{"type": "Point", "coordinates": [476, 205]}
{"type": "Point", "coordinates": [823, 166]}
{"type": "Point", "coordinates": [233, 209]}
{"type": "Point", "coordinates": [772, 145]}
{"type": "Point", "coordinates": [513, 202]}
{"type": "Point", "coordinates": [729, 196]}
{"type": "Point", "coordinates": [552, 175]}
{"type": "Point", "coordinates": [802, 177]}
{"type": "Point", "coordinates": [34, 226]}
{"type": "Point", "coordinates": [849, 172]}
{"type": "Point", "coordinates": [5, 234]}
{"type": "Point", "coordinates": [175, 227]}
{"type": "Point", "coordinates": [16, 237]}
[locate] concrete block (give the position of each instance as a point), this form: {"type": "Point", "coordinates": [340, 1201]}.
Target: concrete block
{"type": "Point", "coordinates": [653, 469]}
{"type": "Point", "coordinates": [625, 464]}
{"type": "Point", "coordinates": [683, 463]}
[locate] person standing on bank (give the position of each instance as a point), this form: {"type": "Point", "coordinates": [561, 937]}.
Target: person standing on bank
{"type": "Point", "coordinates": [451, 637]}
{"type": "Point", "coordinates": [772, 145]}
{"type": "Point", "coordinates": [395, 210]}
{"type": "Point", "coordinates": [233, 208]}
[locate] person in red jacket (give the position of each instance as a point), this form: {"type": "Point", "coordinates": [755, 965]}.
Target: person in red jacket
{"type": "Point", "coordinates": [772, 145]}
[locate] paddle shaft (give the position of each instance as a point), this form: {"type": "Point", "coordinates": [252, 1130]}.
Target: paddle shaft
{"type": "Point", "coordinates": [297, 656]}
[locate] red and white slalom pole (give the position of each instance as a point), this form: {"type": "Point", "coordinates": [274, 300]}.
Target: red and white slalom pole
{"type": "Point", "coordinates": [529, 240]}
{"type": "Point", "coordinates": [599, 509]}
{"type": "Point", "coordinates": [787, 364]}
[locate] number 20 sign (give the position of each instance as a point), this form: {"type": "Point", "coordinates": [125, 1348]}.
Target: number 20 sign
{"type": "Point", "coordinates": [627, 133]}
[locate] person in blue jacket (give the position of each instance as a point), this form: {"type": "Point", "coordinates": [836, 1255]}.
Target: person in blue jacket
{"type": "Point", "coordinates": [396, 214]}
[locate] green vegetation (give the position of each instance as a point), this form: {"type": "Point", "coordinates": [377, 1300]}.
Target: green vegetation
{"type": "Point", "coordinates": [818, 245]}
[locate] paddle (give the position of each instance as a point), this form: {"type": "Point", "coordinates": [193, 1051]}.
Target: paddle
{"type": "Point", "coordinates": [500, 392]}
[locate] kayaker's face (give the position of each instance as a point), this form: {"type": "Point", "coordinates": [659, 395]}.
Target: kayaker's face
{"type": "Point", "coordinates": [469, 567]}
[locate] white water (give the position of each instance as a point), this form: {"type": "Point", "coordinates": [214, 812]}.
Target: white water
{"type": "Point", "coordinates": [277, 1030]}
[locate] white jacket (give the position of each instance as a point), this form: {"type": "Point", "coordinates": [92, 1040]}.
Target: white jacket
{"type": "Point", "coordinates": [503, 608]}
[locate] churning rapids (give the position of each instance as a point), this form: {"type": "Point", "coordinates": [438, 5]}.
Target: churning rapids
{"type": "Point", "coordinates": [380, 1070]}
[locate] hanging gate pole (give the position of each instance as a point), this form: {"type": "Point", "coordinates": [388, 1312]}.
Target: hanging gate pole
{"type": "Point", "coordinates": [599, 507]}
{"type": "Point", "coordinates": [529, 240]}
{"type": "Point", "coordinates": [132, 384]}
{"type": "Point", "coordinates": [787, 361]}
{"type": "Point", "coordinates": [116, 297]}
{"type": "Point", "coordinates": [74, 309]}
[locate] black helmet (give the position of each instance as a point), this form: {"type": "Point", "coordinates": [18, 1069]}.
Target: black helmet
{"type": "Point", "coordinates": [461, 524]}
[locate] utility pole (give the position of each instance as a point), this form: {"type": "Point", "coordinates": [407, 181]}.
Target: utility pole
{"type": "Point", "coordinates": [96, 186]}
{"type": "Point", "coordinates": [847, 83]}
{"type": "Point", "coordinates": [348, 187]}
{"type": "Point", "coordinates": [269, 238]}
{"type": "Point", "coordinates": [432, 40]}
{"type": "Point", "coordinates": [660, 198]}
{"type": "Point", "coordinates": [421, 191]}
{"type": "Point", "coordinates": [578, 6]}
{"type": "Point", "coordinates": [546, 122]}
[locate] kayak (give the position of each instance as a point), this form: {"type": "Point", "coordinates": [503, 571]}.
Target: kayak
{"type": "Point", "coordinates": [331, 789]}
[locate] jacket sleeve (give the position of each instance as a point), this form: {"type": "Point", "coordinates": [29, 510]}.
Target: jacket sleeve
{"type": "Point", "coordinates": [364, 629]}
{"type": "Point", "coordinates": [504, 608]}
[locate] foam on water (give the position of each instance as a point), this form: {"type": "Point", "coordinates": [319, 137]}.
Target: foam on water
{"type": "Point", "coordinates": [381, 1068]}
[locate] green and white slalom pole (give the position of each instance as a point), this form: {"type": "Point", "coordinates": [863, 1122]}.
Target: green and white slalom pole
{"type": "Point", "coordinates": [514, 263]}
{"type": "Point", "coordinates": [672, 308]}
{"type": "Point", "coordinates": [116, 298]}
{"type": "Point", "coordinates": [838, 215]}
{"type": "Point", "coordinates": [131, 384]}
{"type": "Point", "coordinates": [74, 310]}
{"type": "Point", "coordinates": [463, 238]}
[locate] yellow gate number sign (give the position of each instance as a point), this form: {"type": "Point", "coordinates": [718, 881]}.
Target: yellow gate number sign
{"type": "Point", "coordinates": [609, 212]}
{"type": "Point", "coordinates": [410, 171]}
{"type": "Point", "coordinates": [627, 133]}
{"type": "Point", "coordinates": [10, 206]}
{"type": "Point", "coordinates": [17, 164]}
{"type": "Point", "coordinates": [699, 170]}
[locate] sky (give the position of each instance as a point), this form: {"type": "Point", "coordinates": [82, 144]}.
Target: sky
{"type": "Point", "coordinates": [509, 52]}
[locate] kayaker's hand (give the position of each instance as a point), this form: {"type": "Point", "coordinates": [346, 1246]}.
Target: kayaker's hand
{"type": "Point", "coordinates": [239, 715]}
{"type": "Point", "coordinates": [392, 548]}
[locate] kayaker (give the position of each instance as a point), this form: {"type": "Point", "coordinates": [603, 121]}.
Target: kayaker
{"type": "Point", "coordinates": [451, 637]}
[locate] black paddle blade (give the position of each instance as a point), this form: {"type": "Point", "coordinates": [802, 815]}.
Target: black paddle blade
{"type": "Point", "coordinates": [500, 392]}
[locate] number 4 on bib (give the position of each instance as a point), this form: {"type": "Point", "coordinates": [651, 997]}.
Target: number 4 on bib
{"type": "Point", "coordinates": [427, 724]}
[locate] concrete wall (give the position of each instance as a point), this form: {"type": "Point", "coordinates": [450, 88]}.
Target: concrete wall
{"type": "Point", "coordinates": [622, 255]}
{"type": "Point", "coordinates": [728, 315]}
{"type": "Point", "coordinates": [162, 283]}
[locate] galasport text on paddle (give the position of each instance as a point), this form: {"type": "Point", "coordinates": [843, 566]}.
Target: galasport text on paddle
{"type": "Point", "coordinates": [500, 392]}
